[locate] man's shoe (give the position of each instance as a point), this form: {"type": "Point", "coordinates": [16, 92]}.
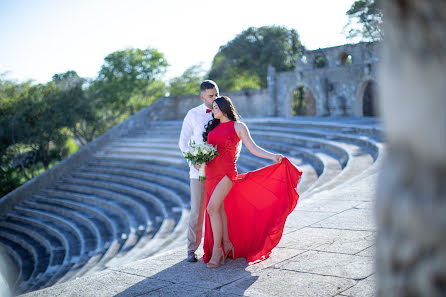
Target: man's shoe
{"type": "Point", "coordinates": [191, 257]}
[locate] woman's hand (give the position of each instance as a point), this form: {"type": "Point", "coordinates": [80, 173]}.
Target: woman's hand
{"type": "Point", "coordinates": [197, 166]}
{"type": "Point", "coordinates": [277, 158]}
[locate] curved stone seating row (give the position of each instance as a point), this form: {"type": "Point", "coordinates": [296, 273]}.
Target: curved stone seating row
{"type": "Point", "coordinates": [364, 141]}
{"type": "Point", "coordinates": [59, 243]}
{"type": "Point", "coordinates": [15, 272]}
{"type": "Point", "coordinates": [126, 224]}
{"type": "Point", "coordinates": [103, 228]}
{"type": "Point", "coordinates": [24, 256]}
{"type": "Point", "coordinates": [76, 230]}
{"type": "Point", "coordinates": [131, 181]}
{"type": "Point", "coordinates": [132, 200]}
{"type": "Point", "coordinates": [359, 153]}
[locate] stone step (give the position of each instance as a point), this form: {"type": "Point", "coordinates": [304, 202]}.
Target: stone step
{"type": "Point", "coordinates": [152, 205]}
{"type": "Point", "coordinates": [141, 145]}
{"type": "Point", "coordinates": [329, 147]}
{"type": "Point", "coordinates": [106, 229]}
{"type": "Point", "coordinates": [60, 244]}
{"type": "Point", "coordinates": [66, 229]}
{"type": "Point", "coordinates": [147, 140]}
{"type": "Point", "coordinates": [181, 173]}
{"type": "Point", "coordinates": [161, 241]}
{"type": "Point", "coordinates": [27, 253]}
{"type": "Point", "coordinates": [17, 274]}
{"type": "Point", "coordinates": [57, 243]}
{"type": "Point", "coordinates": [160, 160]}
{"type": "Point", "coordinates": [125, 224]}
{"type": "Point", "coordinates": [331, 169]}
{"type": "Point", "coordinates": [150, 183]}
{"type": "Point", "coordinates": [47, 256]}
{"type": "Point", "coordinates": [87, 230]}
{"type": "Point", "coordinates": [179, 186]}
{"type": "Point", "coordinates": [364, 141]}
{"type": "Point", "coordinates": [358, 159]}
{"type": "Point", "coordinates": [134, 206]}
{"type": "Point", "coordinates": [358, 162]}
{"type": "Point", "coordinates": [356, 127]}
{"type": "Point", "coordinates": [137, 151]}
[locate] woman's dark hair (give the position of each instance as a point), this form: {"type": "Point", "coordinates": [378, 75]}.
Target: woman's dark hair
{"type": "Point", "coordinates": [227, 108]}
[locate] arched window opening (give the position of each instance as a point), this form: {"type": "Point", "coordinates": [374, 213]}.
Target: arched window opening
{"type": "Point", "coordinates": [320, 62]}
{"type": "Point", "coordinates": [345, 59]}
{"type": "Point", "coordinates": [369, 100]}
{"type": "Point", "coordinates": [304, 103]}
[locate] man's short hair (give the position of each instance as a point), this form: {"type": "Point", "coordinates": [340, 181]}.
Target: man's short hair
{"type": "Point", "coordinates": [208, 84]}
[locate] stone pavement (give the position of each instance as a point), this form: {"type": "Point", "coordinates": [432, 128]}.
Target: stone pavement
{"type": "Point", "coordinates": [327, 250]}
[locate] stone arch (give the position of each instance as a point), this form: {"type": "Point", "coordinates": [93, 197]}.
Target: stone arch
{"type": "Point", "coordinates": [345, 59]}
{"type": "Point", "coordinates": [367, 99]}
{"type": "Point", "coordinates": [303, 102]}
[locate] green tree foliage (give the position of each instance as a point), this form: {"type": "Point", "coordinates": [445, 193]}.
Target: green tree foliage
{"type": "Point", "coordinates": [41, 124]}
{"type": "Point", "coordinates": [9, 176]}
{"type": "Point", "coordinates": [188, 83]}
{"type": "Point", "coordinates": [298, 104]}
{"type": "Point", "coordinates": [243, 62]}
{"type": "Point", "coordinates": [35, 124]}
{"type": "Point", "coordinates": [124, 79]}
{"type": "Point", "coordinates": [365, 21]}
{"type": "Point", "coordinates": [320, 62]}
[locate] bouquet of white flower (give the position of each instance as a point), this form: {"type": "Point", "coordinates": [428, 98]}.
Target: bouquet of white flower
{"type": "Point", "coordinates": [201, 153]}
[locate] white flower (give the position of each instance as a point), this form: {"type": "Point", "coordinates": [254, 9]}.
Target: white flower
{"type": "Point", "coordinates": [201, 153]}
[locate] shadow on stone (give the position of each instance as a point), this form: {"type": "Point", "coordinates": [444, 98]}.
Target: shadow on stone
{"type": "Point", "coordinates": [187, 279]}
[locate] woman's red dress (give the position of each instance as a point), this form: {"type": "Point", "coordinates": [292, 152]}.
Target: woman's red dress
{"type": "Point", "coordinates": [258, 203]}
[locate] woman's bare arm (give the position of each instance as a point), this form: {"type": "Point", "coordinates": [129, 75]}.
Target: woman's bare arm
{"type": "Point", "coordinates": [243, 133]}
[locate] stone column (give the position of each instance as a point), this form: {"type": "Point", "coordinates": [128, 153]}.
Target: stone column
{"type": "Point", "coordinates": [411, 197]}
{"type": "Point", "coordinates": [271, 80]}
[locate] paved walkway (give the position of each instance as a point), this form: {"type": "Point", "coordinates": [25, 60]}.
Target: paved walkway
{"type": "Point", "coordinates": [327, 250]}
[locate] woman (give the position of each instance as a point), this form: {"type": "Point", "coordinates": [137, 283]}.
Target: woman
{"type": "Point", "coordinates": [246, 213]}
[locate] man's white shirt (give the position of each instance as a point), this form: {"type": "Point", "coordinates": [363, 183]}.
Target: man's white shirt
{"type": "Point", "coordinates": [192, 129]}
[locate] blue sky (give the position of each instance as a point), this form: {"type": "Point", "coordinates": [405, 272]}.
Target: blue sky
{"type": "Point", "coordinates": [41, 38]}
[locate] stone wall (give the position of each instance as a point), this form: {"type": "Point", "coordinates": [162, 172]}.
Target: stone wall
{"type": "Point", "coordinates": [411, 201]}
{"type": "Point", "coordinates": [249, 103]}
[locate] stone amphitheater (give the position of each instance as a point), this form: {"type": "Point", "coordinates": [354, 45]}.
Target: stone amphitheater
{"type": "Point", "coordinates": [127, 197]}
{"type": "Point", "coordinates": [124, 198]}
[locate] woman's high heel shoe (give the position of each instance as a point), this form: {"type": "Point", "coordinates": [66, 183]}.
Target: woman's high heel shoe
{"type": "Point", "coordinates": [221, 260]}
{"type": "Point", "coordinates": [228, 248]}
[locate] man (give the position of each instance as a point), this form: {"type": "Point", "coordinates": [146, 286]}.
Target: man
{"type": "Point", "coordinates": [192, 129]}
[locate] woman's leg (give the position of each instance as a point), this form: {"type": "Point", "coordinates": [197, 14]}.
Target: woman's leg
{"type": "Point", "coordinates": [224, 220]}
{"type": "Point", "coordinates": [214, 211]}
{"type": "Point", "coordinates": [227, 244]}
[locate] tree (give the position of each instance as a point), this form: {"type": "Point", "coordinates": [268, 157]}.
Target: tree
{"type": "Point", "coordinates": [35, 122]}
{"type": "Point", "coordinates": [243, 62]}
{"type": "Point", "coordinates": [126, 74]}
{"type": "Point", "coordinates": [9, 176]}
{"type": "Point", "coordinates": [188, 83]}
{"type": "Point", "coordinates": [366, 14]}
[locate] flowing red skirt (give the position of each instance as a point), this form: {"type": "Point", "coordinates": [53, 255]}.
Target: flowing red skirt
{"type": "Point", "coordinates": [257, 207]}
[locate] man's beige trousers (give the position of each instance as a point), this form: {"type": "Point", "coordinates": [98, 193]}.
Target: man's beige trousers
{"type": "Point", "coordinates": [197, 209]}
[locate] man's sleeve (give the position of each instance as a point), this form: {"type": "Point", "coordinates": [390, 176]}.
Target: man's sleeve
{"type": "Point", "coordinates": [186, 132]}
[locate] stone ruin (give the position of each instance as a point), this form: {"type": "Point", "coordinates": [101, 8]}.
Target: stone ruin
{"type": "Point", "coordinates": [344, 87]}
{"type": "Point", "coordinates": [338, 81]}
